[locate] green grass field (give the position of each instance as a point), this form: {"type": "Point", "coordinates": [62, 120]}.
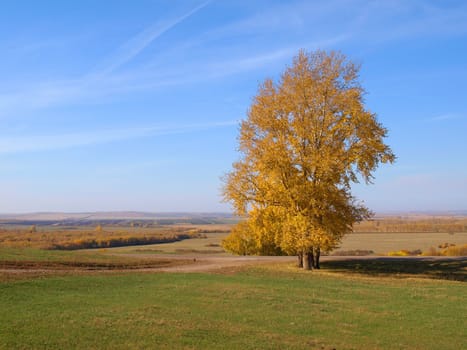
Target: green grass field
{"type": "Point", "coordinates": [256, 308]}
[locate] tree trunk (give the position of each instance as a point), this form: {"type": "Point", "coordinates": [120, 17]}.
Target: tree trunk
{"type": "Point", "coordinates": [307, 260]}
{"type": "Point", "coordinates": [300, 260]}
{"type": "Point", "coordinates": [310, 258]}
{"type": "Point", "coordinates": [317, 254]}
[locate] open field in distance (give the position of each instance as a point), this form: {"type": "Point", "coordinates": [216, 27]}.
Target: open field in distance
{"type": "Point", "coordinates": [379, 243]}
{"type": "Point", "coordinates": [381, 235]}
{"type": "Point", "coordinates": [382, 243]}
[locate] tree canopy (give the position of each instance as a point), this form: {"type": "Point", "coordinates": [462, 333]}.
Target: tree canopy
{"type": "Point", "coordinates": [307, 138]}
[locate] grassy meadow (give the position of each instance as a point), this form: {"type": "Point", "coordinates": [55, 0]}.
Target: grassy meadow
{"type": "Point", "coordinates": [275, 307]}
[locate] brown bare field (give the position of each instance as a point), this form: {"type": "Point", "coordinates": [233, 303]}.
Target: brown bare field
{"type": "Point", "coordinates": [382, 243]}
{"type": "Point", "coordinates": [20, 263]}
{"type": "Point", "coordinates": [378, 243]}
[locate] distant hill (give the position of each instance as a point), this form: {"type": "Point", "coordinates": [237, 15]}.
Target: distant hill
{"type": "Point", "coordinates": [120, 217]}
{"type": "Point", "coordinates": [422, 214]}
{"type": "Point", "coordinates": [109, 215]}
{"type": "Point", "coordinates": [169, 218]}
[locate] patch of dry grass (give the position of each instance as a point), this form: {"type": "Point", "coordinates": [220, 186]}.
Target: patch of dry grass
{"type": "Point", "coordinates": [70, 239]}
{"type": "Point", "coordinates": [447, 250]}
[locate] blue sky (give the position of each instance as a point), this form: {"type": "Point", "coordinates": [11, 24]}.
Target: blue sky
{"type": "Point", "coordinates": [135, 105]}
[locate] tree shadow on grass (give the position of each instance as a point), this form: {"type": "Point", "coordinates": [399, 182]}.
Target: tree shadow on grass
{"type": "Point", "coordinates": [435, 268]}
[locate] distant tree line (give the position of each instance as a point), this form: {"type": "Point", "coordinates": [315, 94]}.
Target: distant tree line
{"type": "Point", "coordinates": [450, 225]}
{"type": "Point", "coordinates": [117, 242]}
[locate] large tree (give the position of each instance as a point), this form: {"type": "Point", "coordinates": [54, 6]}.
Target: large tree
{"type": "Point", "coordinates": [307, 138]}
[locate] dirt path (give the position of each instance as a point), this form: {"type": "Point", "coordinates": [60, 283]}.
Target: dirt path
{"type": "Point", "coordinates": [213, 263]}
{"type": "Point", "coordinates": [209, 263]}
{"type": "Point", "coordinates": [203, 263]}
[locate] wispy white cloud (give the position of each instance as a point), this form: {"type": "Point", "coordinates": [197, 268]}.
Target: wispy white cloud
{"type": "Point", "coordinates": [447, 116]}
{"type": "Point", "coordinates": [195, 72]}
{"type": "Point", "coordinates": [106, 80]}
{"type": "Point", "coordinates": [109, 81]}
{"type": "Point", "coordinates": [31, 143]}
{"type": "Point", "coordinates": [138, 43]}
{"type": "Point", "coordinates": [265, 58]}
{"type": "Point", "coordinates": [436, 21]}
{"type": "Point", "coordinates": [93, 88]}
{"type": "Point", "coordinates": [95, 84]}
{"type": "Point", "coordinates": [382, 21]}
{"type": "Point", "coordinates": [295, 15]}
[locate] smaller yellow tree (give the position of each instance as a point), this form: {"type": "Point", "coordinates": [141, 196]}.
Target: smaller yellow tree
{"type": "Point", "coordinates": [256, 236]}
{"type": "Point", "coordinates": [241, 240]}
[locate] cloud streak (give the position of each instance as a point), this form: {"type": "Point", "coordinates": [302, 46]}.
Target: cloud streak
{"type": "Point", "coordinates": [430, 20]}
{"type": "Point", "coordinates": [138, 43]}
{"type": "Point", "coordinates": [37, 143]}
{"type": "Point", "coordinates": [106, 81]}
{"type": "Point", "coordinates": [97, 83]}
{"type": "Point", "coordinates": [93, 88]}
{"type": "Point", "coordinates": [446, 117]}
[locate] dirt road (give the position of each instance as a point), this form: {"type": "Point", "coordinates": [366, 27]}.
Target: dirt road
{"type": "Point", "coordinates": [212, 263]}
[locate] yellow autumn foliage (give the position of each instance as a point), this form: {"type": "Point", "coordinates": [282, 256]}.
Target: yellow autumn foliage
{"type": "Point", "coordinates": [306, 139]}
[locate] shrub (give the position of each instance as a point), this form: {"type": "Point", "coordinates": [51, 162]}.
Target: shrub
{"type": "Point", "coordinates": [399, 253]}
{"type": "Point", "coordinates": [449, 250]}
{"type": "Point", "coordinates": [405, 252]}
{"type": "Point", "coordinates": [455, 250]}
{"type": "Point", "coordinates": [445, 245]}
{"type": "Point", "coordinates": [432, 251]}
